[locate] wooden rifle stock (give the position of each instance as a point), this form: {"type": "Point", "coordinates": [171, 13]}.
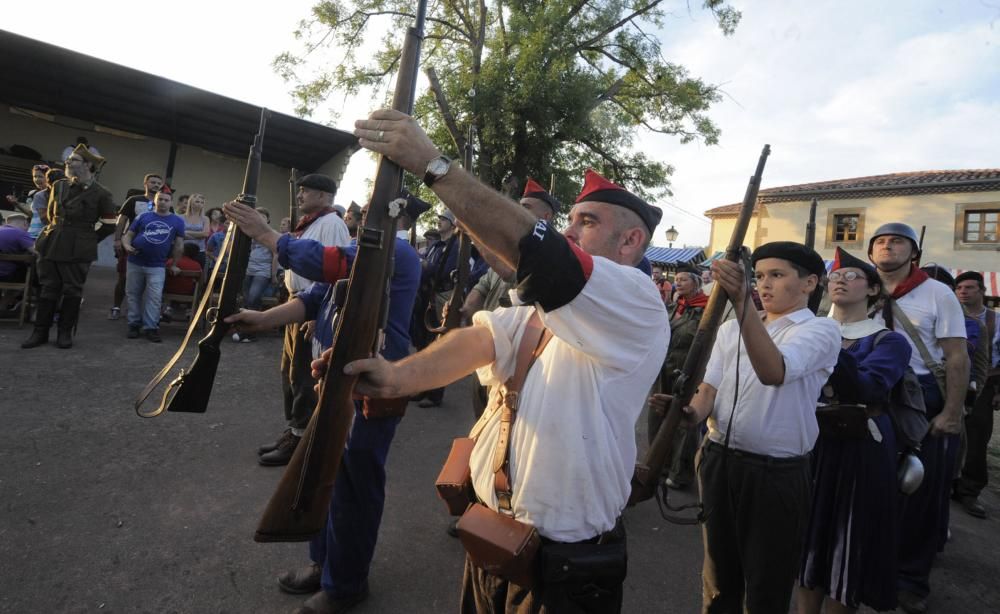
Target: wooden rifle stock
{"type": "Point", "coordinates": [298, 509]}
{"type": "Point", "coordinates": [647, 473]}
{"type": "Point", "coordinates": [191, 390]}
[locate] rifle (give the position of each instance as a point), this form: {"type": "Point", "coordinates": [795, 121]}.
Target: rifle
{"type": "Point", "coordinates": [454, 318]}
{"type": "Point", "coordinates": [293, 204]}
{"type": "Point", "coordinates": [920, 245]}
{"type": "Point", "coordinates": [298, 509]}
{"type": "Point", "coordinates": [817, 295]}
{"type": "Point", "coordinates": [646, 478]}
{"type": "Point", "coordinates": [192, 388]}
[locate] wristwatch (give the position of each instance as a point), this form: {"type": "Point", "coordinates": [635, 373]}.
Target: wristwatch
{"type": "Point", "coordinates": [436, 169]}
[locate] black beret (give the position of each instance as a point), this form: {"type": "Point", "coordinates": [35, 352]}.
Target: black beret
{"type": "Point", "coordinates": [844, 259]}
{"type": "Point", "coordinates": [975, 276]}
{"type": "Point", "coordinates": [939, 273]}
{"type": "Point", "coordinates": [688, 268]}
{"type": "Point", "coordinates": [319, 182]}
{"type": "Point", "coordinates": [599, 189]}
{"type": "Point", "coordinates": [791, 251]}
{"type": "Point", "coordinates": [415, 207]}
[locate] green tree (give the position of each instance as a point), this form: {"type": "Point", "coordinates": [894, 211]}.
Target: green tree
{"type": "Point", "coordinates": [551, 87]}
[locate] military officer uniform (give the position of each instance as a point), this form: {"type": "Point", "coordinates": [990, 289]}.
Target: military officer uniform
{"type": "Point", "coordinates": [67, 247]}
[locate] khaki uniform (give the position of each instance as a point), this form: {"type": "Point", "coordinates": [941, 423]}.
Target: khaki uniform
{"type": "Point", "coordinates": [68, 245]}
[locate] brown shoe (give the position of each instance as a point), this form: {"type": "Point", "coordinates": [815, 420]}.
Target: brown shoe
{"type": "Point", "coordinates": [282, 454]}
{"type": "Point", "coordinates": [323, 603]}
{"type": "Point", "coordinates": [301, 581]}
{"type": "Point", "coordinates": [270, 447]}
{"type": "Point", "coordinates": [428, 403]}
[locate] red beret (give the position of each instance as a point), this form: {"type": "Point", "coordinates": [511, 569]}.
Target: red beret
{"type": "Point", "coordinates": [599, 189]}
{"type": "Point", "coordinates": [533, 190]}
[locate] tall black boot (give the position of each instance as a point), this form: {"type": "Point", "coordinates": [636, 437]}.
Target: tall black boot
{"type": "Point", "coordinates": [43, 322]}
{"type": "Point", "coordinates": [67, 320]}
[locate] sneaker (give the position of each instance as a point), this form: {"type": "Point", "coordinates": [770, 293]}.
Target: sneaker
{"type": "Point", "coordinates": [153, 335]}
{"type": "Point", "coordinates": [247, 339]}
{"type": "Point", "coordinates": [115, 313]}
{"type": "Point", "coordinates": [236, 337]}
{"type": "Point", "coordinates": [133, 332]}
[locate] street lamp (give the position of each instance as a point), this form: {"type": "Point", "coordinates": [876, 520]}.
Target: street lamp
{"type": "Point", "coordinates": [671, 235]}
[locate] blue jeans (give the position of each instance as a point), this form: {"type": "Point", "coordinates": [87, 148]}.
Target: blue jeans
{"type": "Point", "coordinates": [148, 280]}
{"type": "Point", "coordinates": [254, 288]}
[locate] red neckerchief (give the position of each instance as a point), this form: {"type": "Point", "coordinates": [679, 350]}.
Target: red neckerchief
{"type": "Point", "coordinates": [914, 279]}
{"type": "Point", "coordinates": [698, 300]}
{"type": "Point", "coordinates": [308, 219]}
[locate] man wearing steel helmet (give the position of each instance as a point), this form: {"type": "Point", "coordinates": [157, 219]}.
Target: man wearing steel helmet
{"type": "Point", "coordinates": [937, 317]}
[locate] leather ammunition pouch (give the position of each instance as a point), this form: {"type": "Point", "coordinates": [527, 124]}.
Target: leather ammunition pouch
{"type": "Point", "coordinates": [843, 421]}
{"type": "Point", "coordinates": [385, 408]}
{"type": "Point", "coordinates": [499, 544]}
{"type": "Point", "coordinates": [454, 483]}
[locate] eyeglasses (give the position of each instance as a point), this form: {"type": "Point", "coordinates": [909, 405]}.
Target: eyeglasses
{"type": "Point", "coordinates": [845, 276]}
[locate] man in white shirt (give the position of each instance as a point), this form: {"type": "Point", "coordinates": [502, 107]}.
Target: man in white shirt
{"type": "Point", "coordinates": [572, 446]}
{"type": "Point", "coordinates": [940, 324]}
{"type": "Point", "coordinates": [759, 395]}
{"type": "Point", "coordinates": [318, 222]}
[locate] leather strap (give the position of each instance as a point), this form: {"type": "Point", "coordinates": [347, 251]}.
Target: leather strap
{"type": "Point", "coordinates": [932, 365]}
{"type": "Point", "coordinates": [533, 342]}
{"type": "Point", "coordinates": [203, 309]}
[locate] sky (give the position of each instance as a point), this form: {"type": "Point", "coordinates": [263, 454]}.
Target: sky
{"type": "Point", "coordinates": [838, 88]}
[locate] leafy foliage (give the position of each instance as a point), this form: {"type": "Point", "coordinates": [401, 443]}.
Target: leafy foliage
{"type": "Point", "coordinates": [552, 87]}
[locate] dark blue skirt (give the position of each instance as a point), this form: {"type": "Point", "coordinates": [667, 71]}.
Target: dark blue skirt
{"type": "Point", "coordinates": [851, 545]}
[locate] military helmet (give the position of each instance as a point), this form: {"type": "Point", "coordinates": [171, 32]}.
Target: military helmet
{"type": "Point", "coordinates": [900, 230]}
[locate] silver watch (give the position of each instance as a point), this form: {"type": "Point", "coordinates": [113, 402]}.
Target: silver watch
{"type": "Point", "coordinates": [436, 169]}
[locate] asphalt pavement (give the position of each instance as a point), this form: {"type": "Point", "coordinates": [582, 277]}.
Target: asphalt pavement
{"type": "Point", "coordinates": [103, 511]}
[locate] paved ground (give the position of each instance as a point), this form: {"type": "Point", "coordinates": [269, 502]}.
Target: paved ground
{"type": "Point", "coordinates": [105, 512]}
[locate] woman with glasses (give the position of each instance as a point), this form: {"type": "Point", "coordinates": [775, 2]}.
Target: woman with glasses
{"type": "Point", "coordinates": [851, 544]}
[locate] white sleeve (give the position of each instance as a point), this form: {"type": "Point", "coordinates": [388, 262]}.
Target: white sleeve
{"type": "Point", "coordinates": [506, 325]}
{"type": "Point", "coordinates": [814, 347]}
{"type": "Point", "coordinates": [950, 320]}
{"type": "Point", "coordinates": [617, 319]}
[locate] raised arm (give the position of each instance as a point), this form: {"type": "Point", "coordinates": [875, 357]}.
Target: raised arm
{"type": "Point", "coordinates": [496, 222]}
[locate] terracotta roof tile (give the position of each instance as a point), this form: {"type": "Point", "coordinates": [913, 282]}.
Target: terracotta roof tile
{"type": "Point", "coordinates": [892, 184]}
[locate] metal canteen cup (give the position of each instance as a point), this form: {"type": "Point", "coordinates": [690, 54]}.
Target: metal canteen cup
{"type": "Point", "coordinates": [910, 473]}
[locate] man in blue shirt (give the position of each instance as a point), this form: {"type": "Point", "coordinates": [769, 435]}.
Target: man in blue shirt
{"type": "Point", "coordinates": [151, 239]}
{"type": "Point", "coordinates": [341, 554]}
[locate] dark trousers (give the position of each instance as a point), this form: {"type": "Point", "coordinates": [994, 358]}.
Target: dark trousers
{"type": "Point", "coordinates": [345, 546]}
{"type": "Point", "coordinates": [296, 377]}
{"type": "Point", "coordinates": [978, 428]}
{"type": "Point", "coordinates": [483, 593]}
{"type": "Point", "coordinates": [60, 279]}
{"type": "Point", "coordinates": [757, 511]}
{"type": "Point", "coordinates": [924, 520]}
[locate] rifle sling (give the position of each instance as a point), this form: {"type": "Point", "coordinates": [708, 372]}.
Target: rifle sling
{"type": "Point", "coordinates": [195, 320]}
{"type": "Point", "coordinates": [533, 342]}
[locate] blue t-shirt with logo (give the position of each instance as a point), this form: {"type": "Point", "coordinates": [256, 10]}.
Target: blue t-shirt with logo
{"type": "Point", "coordinates": [154, 238]}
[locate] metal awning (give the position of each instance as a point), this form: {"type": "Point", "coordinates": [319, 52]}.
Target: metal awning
{"type": "Point", "coordinates": [44, 78]}
{"type": "Point", "coordinates": [674, 255]}
{"type": "Point", "coordinates": [714, 257]}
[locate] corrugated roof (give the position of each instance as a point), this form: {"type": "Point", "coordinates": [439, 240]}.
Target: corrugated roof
{"type": "Point", "coordinates": [892, 184]}
{"type": "Point", "coordinates": [50, 79]}
{"type": "Point", "coordinates": [674, 255]}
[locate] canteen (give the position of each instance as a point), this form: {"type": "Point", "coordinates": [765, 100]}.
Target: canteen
{"type": "Point", "coordinates": [910, 473]}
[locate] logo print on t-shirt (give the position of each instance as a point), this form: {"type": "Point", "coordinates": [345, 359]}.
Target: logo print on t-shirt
{"type": "Point", "coordinates": [157, 232]}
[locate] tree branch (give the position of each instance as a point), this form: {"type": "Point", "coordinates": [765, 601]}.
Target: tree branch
{"type": "Point", "coordinates": [445, 108]}
{"type": "Point", "coordinates": [593, 40]}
